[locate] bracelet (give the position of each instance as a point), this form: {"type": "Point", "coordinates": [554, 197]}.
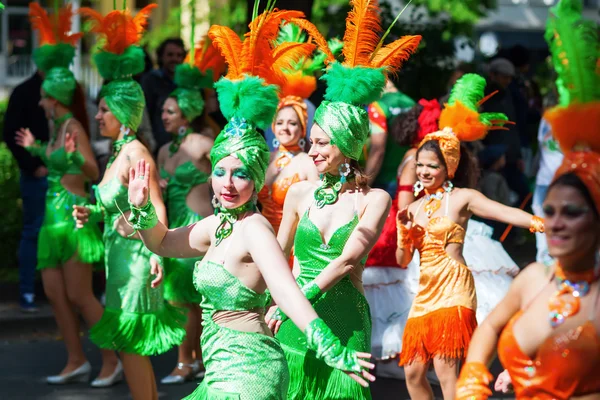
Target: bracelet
{"type": "Point", "coordinates": [473, 382]}
{"type": "Point", "coordinates": [76, 158]}
{"type": "Point", "coordinates": [143, 218]}
{"type": "Point", "coordinates": [536, 225]}
{"type": "Point", "coordinates": [328, 347]}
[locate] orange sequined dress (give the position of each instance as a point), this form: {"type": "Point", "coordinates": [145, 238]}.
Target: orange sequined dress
{"type": "Point", "coordinates": [272, 199]}
{"type": "Point", "coordinates": [442, 317]}
{"type": "Point", "coordinates": [567, 364]}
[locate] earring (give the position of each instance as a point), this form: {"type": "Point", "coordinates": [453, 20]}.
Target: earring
{"type": "Point", "coordinates": [344, 170]}
{"type": "Point", "coordinates": [448, 186]}
{"type": "Point", "coordinates": [216, 203]}
{"type": "Point", "coordinates": [418, 187]}
{"type": "Point", "coordinates": [302, 143]}
{"type": "Point", "coordinates": [275, 143]}
{"type": "Point", "coordinates": [254, 198]}
{"type": "Point", "coordinates": [182, 130]}
{"type": "Point", "coordinates": [125, 130]}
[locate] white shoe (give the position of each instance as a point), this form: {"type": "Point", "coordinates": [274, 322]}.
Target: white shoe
{"type": "Point", "coordinates": [115, 377]}
{"type": "Point", "coordinates": [81, 374]}
{"type": "Point", "coordinates": [179, 379]}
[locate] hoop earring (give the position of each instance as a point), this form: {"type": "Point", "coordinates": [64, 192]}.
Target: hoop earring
{"type": "Point", "coordinates": [418, 188]}
{"type": "Point", "coordinates": [215, 203]}
{"type": "Point", "coordinates": [448, 186]}
{"type": "Point", "coordinates": [125, 130]}
{"type": "Point", "coordinates": [344, 169]}
{"type": "Point", "coordinates": [302, 143]}
{"type": "Point", "coordinates": [275, 143]}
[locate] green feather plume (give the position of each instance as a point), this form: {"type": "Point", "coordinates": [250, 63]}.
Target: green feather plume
{"type": "Point", "coordinates": [470, 91]}
{"type": "Point", "coordinates": [290, 33]}
{"type": "Point", "coordinates": [189, 77]}
{"type": "Point", "coordinates": [120, 66]}
{"type": "Point", "coordinates": [574, 46]}
{"type": "Point", "coordinates": [356, 85]}
{"type": "Point", "coordinates": [249, 99]}
{"type": "Point", "coordinates": [53, 55]}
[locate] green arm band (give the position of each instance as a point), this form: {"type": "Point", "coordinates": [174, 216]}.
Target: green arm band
{"type": "Point", "coordinates": [76, 158]}
{"type": "Point", "coordinates": [329, 348]}
{"type": "Point", "coordinates": [96, 213]}
{"type": "Point", "coordinates": [143, 218]}
{"type": "Point", "coordinates": [37, 149]}
{"type": "Point", "coordinates": [311, 291]}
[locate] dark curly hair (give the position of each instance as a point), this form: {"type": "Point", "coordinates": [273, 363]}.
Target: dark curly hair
{"type": "Point", "coordinates": [405, 127]}
{"type": "Point", "coordinates": [573, 181]}
{"type": "Point", "coordinates": [467, 173]}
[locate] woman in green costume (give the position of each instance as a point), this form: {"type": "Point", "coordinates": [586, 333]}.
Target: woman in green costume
{"type": "Point", "coordinates": [66, 254]}
{"type": "Point", "coordinates": [137, 321]}
{"type": "Point", "coordinates": [185, 169]}
{"type": "Point", "coordinates": [333, 224]}
{"type": "Point", "coordinates": [241, 255]}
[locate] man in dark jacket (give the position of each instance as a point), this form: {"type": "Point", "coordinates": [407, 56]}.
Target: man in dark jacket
{"type": "Point", "coordinates": [24, 111]}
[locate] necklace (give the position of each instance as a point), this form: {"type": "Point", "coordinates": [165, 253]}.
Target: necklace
{"type": "Point", "coordinates": [176, 143]}
{"type": "Point", "coordinates": [285, 155]}
{"type": "Point", "coordinates": [117, 145]}
{"type": "Point", "coordinates": [228, 218]}
{"type": "Point", "coordinates": [57, 124]}
{"type": "Point", "coordinates": [433, 201]}
{"type": "Point", "coordinates": [328, 191]}
{"type": "Point", "coordinates": [577, 285]}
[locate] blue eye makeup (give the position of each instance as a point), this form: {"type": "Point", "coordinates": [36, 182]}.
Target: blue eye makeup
{"type": "Point", "coordinates": [241, 173]}
{"type": "Point", "coordinates": [219, 172]}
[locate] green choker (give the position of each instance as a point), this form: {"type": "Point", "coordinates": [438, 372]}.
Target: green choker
{"type": "Point", "coordinates": [176, 143]}
{"type": "Point", "coordinates": [229, 217]}
{"type": "Point", "coordinates": [57, 124]}
{"type": "Point", "coordinates": [328, 190]}
{"type": "Point", "coordinates": [117, 145]}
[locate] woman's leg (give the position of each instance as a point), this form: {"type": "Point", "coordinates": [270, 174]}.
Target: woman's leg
{"type": "Point", "coordinates": [197, 349]}
{"type": "Point", "coordinates": [185, 351]}
{"type": "Point", "coordinates": [139, 376]}
{"type": "Point", "coordinates": [78, 281]}
{"type": "Point", "coordinates": [66, 319]}
{"type": "Point", "coordinates": [447, 372]}
{"type": "Point", "coordinates": [416, 381]}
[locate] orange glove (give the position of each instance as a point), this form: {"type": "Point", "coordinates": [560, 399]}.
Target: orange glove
{"type": "Point", "coordinates": [473, 382]}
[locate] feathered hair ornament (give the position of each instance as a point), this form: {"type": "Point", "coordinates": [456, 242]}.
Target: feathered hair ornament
{"type": "Point", "coordinates": [575, 121]}
{"type": "Point", "coordinates": [460, 120]}
{"type": "Point", "coordinates": [57, 43]}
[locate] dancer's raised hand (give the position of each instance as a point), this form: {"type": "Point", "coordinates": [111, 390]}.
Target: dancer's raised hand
{"type": "Point", "coordinates": [71, 142]}
{"type": "Point", "coordinates": [139, 183]}
{"type": "Point", "coordinates": [24, 137]}
{"type": "Point", "coordinates": [404, 217]}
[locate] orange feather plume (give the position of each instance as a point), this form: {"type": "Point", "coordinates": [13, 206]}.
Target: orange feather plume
{"type": "Point", "coordinates": [207, 57]}
{"type": "Point", "coordinates": [363, 27]}
{"type": "Point", "coordinates": [56, 29]}
{"type": "Point", "coordinates": [119, 28]}
{"type": "Point", "coordinates": [392, 56]}
{"type": "Point", "coordinates": [298, 84]}
{"type": "Point", "coordinates": [315, 35]}
{"type": "Point", "coordinates": [229, 45]}
{"type": "Point", "coordinates": [285, 55]}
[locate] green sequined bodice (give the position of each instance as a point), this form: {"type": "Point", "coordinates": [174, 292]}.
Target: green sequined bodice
{"type": "Point", "coordinates": [58, 164]}
{"type": "Point", "coordinates": [112, 196]}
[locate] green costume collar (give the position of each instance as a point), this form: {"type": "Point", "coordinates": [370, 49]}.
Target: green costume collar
{"type": "Point", "coordinates": [117, 146]}
{"type": "Point", "coordinates": [228, 218]}
{"type": "Point", "coordinates": [176, 143]}
{"type": "Point", "coordinates": [329, 189]}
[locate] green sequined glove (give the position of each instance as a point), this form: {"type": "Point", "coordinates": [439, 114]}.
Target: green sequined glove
{"type": "Point", "coordinates": [311, 291]}
{"type": "Point", "coordinates": [143, 218]}
{"type": "Point", "coordinates": [329, 349]}
{"type": "Point", "coordinates": [76, 158]}
{"type": "Point", "coordinates": [37, 149]}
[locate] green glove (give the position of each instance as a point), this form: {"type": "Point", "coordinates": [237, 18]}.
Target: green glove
{"type": "Point", "coordinates": [311, 291]}
{"type": "Point", "coordinates": [329, 349]}
{"type": "Point", "coordinates": [37, 149]}
{"type": "Point", "coordinates": [76, 158]}
{"type": "Point", "coordinates": [143, 218]}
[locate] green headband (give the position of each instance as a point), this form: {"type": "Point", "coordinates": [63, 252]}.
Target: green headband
{"type": "Point", "coordinates": [125, 99]}
{"type": "Point", "coordinates": [241, 140]}
{"type": "Point", "coordinates": [59, 83]}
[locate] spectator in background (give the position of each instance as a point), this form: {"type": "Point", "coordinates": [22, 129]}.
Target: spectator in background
{"type": "Point", "coordinates": [501, 74]}
{"type": "Point", "coordinates": [158, 84]}
{"type": "Point", "coordinates": [385, 154]}
{"type": "Point", "coordinates": [24, 112]}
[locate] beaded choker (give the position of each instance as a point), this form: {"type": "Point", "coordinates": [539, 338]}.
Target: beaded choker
{"type": "Point", "coordinates": [433, 201]}
{"type": "Point", "coordinates": [228, 218]}
{"type": "Point", "coordinates": [176, 143]}
{"type": "Point", "coordinates": [117, 145]}
{"type": "Point", "coordinates": [285, 155]}
{"type": "Point", "coordinates": [575, 284]}
{"type": "Point", "coordinates": [57, 124]}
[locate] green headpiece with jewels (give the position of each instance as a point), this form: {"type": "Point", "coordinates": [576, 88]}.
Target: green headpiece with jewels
{"type": "Point", "coordinates": [119, 59]}
{"type": "Point", "coordinates": [56, 51]}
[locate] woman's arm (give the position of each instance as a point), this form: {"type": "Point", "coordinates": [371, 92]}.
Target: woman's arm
{"type": "Point", "coordinates": [408, 177]}
{"type": "Point", "coordinates": [289, 222]}
{"type": "Point", "coordinates": [483, 207]}
{"type": "Point", "coordinates": [186, 242]}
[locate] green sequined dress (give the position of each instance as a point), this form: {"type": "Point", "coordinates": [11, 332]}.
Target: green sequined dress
{"type": "Point", "coordinates": [178, 283]}
{"type": "Point", "coordinates": [59, 239]}
{"type": "Point", "coordinates": [136, 319]}
{"type": "Point", "coordinates": [239, 365]}
{"type": "Point", "coordinates": [343, 308]}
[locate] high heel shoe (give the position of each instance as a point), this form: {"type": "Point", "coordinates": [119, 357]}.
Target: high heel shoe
{"type": "Point", "coordinates": [114, 378]}
{"type": "Point", "coordinates": [81, 374]}
{"type": "Point", "coordinates": [199, 370]}
{"type": "Point", "coordinates": [179, 379]}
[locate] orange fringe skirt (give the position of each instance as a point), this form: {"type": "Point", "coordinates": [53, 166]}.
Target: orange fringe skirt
{"type": "Point", "coordinates": [444, 333]}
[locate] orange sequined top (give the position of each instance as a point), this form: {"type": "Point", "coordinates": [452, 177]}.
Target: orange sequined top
{"type": "Point", "coordinates": [273, 198]}
{"type": "Point", "coordinates": [567, 364]}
